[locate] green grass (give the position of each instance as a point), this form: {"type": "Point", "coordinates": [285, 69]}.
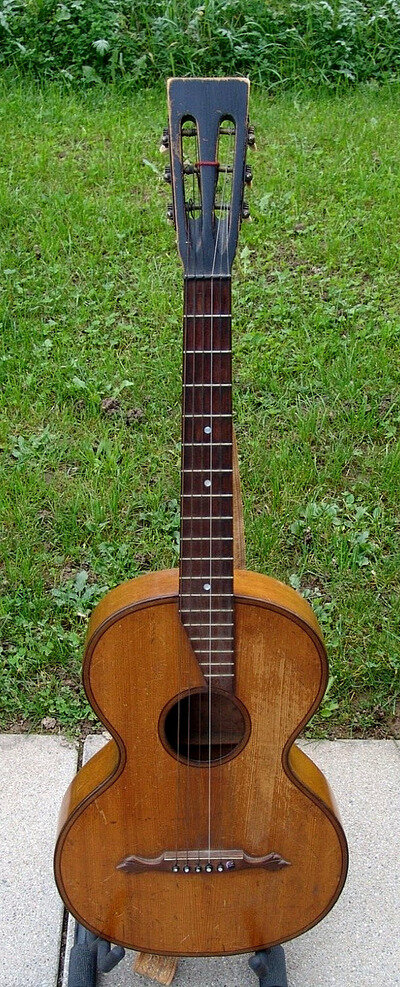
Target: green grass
{"type": "Point", "coordinates": [90, 310]}
{"type": "Point", "coordinates": [278, 43]}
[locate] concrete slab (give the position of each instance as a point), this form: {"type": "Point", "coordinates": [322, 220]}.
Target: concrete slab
{"type": "Point", "coordinates": [34, 773]}
{"type": "Point", "coordinates": [358, 943]}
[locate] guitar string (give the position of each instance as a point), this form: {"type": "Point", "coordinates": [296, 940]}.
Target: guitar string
{"type": "Point", "coordinates": [195, 331]}
{"type": "Point", "coordinates": [179, 670]}
{"type": "Point", "coordinates": [221, 227]}
{"type": "Point", "coordinates": [179, 807]}
{"type": "Point", "coordinates": [203, 462]}
{"type": "Point", "coordinates": [220, 340]}
{"type": "Point", "coordinates": [192, 339]}
{"type": "Point", "coordinates": [231, 143]}
{"type": "Point", "coordinates": [198, 337]}
{"type": "Point", "coordinates": [217, 237]}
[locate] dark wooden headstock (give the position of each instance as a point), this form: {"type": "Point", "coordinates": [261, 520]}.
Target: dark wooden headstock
{"type": "Point", "coordinates": [208, 136]}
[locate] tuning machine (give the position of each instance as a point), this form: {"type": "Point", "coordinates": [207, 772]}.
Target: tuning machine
{"type": "Point", "coordinates": [167, 175]}
{"type": "Point", "coordinates": [245, 211]}
{"type": "Point", "coordinates": [170, 214]}
{"type": "Point", "coordinates": [248, 175]}
{"type": "Point", "coordinates": [251, 137]}
{"type": "Point", "coordinates": [164, 146]}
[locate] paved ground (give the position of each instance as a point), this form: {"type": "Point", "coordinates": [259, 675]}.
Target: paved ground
{"type": "Point", "coordinates": [357, 944]}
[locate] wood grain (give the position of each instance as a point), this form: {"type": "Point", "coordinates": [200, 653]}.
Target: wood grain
{"type": "Point", "coordinates": [162, 969]}
{"type": "Point", "coordinates": [266, 799]}
{"type": "Point", "coordinates": [206, 530]}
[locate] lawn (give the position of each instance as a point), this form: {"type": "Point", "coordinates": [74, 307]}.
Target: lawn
{"type": "Point", "coordinates": [90, 380]}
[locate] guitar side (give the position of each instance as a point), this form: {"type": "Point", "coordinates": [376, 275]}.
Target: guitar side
{"type": "Point", "coordinates": [268, 798]}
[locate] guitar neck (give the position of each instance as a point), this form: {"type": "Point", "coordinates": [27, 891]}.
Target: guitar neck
{"type": "Point", "coordinates": [206, 563]}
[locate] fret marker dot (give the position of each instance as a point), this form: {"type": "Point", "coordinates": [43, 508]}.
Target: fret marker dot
{"type": "Point", "coordinates": [207, 586]}
{"type": "Point", "coordinates": [207, 430]}
{"type": "Point", "coordinates": [207, 483]}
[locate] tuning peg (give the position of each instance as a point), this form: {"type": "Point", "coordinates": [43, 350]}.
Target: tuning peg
{"type": "Point", "coordinates": [248, 175]}
{"type": "Point", "coordinates": [164, 141]}
{"type": "Point", "coordinates": [251, 137]}
{"type": "Point", "coordinates": [167, 174]}
{"type": "Point", "coordinates": [245, 211]}
{"type": "Point", "coordinates": [170, 213]}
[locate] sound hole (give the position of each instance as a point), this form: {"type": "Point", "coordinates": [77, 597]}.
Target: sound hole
{"type": "Point", "coordinates": [198, 731]}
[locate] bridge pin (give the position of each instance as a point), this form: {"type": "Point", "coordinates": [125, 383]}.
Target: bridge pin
{"type": "Point", "coordinates": [220, 868]}
{"type": "Point", "coordinates": [175, 869]}
{"type": "Point", "coordinates": [198, 869]}
{"type": "Point", "coordinates": [186, 869]}
{"type": "Point", "coordinates": [209, 868]}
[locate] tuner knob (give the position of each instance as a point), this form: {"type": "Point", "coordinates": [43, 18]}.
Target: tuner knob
{"type": "Point", "coordinates": [170, 213]}
{"type": "Point", "coordinates": [164, 141]}
{"type": "Point", "coordinates": [167, 174]}
{"type": "Point", "coordinates": [248, 175]}
{"type": "Point", "coordinates": [251, 137]}
{"type": "Point", "coordinates": [245, 211]}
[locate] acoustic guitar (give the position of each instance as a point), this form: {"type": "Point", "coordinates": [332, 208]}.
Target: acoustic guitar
{"type": "Point", "coordinates": [201, 828]}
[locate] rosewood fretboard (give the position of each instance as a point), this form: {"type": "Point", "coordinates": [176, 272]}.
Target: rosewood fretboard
{"type": "Point", "coordinates": [206, 564]}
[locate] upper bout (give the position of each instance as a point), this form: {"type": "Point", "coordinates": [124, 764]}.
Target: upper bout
{"type": "Point", "coordinates": [158, 586]}
{"type": "Point", "coordinates": [277, 595]}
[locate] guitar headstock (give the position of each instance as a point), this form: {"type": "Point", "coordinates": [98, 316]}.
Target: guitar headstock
{"type": "Point", "coordinates": [207, 137]}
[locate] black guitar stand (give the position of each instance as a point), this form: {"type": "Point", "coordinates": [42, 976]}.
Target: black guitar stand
{"type": "Point", "coordinates": [270, 967]}
{"type": "Point", "coordinates": [91, 955]}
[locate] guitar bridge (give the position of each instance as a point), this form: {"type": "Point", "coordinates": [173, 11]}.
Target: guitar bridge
{"type": "Point", "coordinates": [201, 861]}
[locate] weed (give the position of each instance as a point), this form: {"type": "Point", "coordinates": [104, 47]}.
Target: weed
{"type": "Point", "coordinates": [277, 43]}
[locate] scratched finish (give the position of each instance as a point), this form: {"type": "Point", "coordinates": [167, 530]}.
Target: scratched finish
{"type": "Point", "coordinates": [129, 797]}
{"type": "Point", "coordinates": [358, 943]}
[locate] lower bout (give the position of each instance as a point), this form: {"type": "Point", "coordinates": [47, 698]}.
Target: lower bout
{"type": "Point", "coordinates": [207, 914]}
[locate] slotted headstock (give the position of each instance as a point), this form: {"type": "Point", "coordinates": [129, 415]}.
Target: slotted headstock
{"type": "Point", "coordinates": [207, 137]}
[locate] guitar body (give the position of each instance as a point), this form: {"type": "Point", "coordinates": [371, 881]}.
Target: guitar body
{"type": "Point", "coordinates": [138, 797]}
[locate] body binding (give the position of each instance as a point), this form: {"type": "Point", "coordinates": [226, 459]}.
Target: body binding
{"type": "Point", "coordinates": [269, 797]}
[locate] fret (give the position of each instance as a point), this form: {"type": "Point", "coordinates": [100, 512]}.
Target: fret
{"type": "Point", "coordinates": [200, 538]}
{"type": "Point", "coordinates": [206, 637]}
{"type": "Point", "coordinates": [217, 593]}
{"type": "Point", "coordinates": [210, 558]}
{"type": "Point", "coordinates": [207, 651]}
{"type": "Point", "coordinates": [207, 494]}
{"type": "Point", "coordinates": [208, 414]}
{"type": "Point", "coordinates": [204, 577]}
{"type": "Point", "coordinates": [201, 351]}
{"type": "Point", "coordinates": [219, 675]}
{"type": "Point", "coordinates": [207, 315]}
{"type": "Point", "coordinates": [216, 623]}
{"type": "Point", "coordinates": [207, 469]}
{"type": "Point", "coordinates": [214, 517]}
{"type": "Point", "coordinates": [203, 609]}
{"type": "Point", "coordinates": [207, 445]}
{"type": "Point", "coordinates": [214, 383]}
